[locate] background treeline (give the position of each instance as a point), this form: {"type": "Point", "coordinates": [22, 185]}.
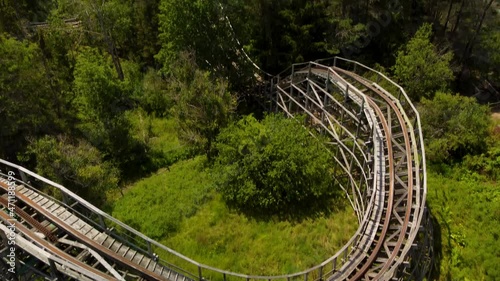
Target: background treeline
{"type": "Point", "coordinates": [96, 94]}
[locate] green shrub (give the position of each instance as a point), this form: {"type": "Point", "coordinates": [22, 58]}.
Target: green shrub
{"type": "Point", "coordinates": [421, 68]}
{"type": "Point", "coordinates": [454, 126]}
{"type": "Point", "coordinates": [272, 165]}
{"type": "Point", "coordinates": [77, 165]}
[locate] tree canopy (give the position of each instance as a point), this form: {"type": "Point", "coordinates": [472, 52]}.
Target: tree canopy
{"type": "Point", "coordinates": [79, 165]}
{"type": "Point", "coordinates": [454, 126]}
{"type": "Point", "coordinates": [421, 68]}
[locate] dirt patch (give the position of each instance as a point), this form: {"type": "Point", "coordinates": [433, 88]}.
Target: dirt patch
{"type": "Point", "coordinates": [495, 116]}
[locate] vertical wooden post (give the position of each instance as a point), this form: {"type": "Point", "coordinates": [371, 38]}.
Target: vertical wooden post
{"type": "Point", "coordinates": [65, 198]}
{"type": "Point", "coordinates": [150, 251]}
{"type": "Point", "coordinates": [24, 178]}
{"type": "Point", "coordinates": [103, 224]}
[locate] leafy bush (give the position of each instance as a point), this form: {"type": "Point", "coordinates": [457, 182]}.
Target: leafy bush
{"type": "Point", "coordinates": [272, 165]}
{"type": "Point", "coordinates": [487, 163]}
{"type": "Point", "coordinates": [78, 166]}
{"type": "Point", "coordinates": [155, 98]}
{"type": "Point", "coordinates": [453, 127]}
{"type": "Point", "coordinates": [420, 68]}
{"type": "Point", "coordinates": [203, 105]}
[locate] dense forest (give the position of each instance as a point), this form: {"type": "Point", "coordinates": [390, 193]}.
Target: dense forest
{"type": "Point", "coordinates": [97, 95]}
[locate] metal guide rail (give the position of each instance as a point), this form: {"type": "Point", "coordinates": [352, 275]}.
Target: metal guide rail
{"type": "Point", "coordinates": [375, 141]}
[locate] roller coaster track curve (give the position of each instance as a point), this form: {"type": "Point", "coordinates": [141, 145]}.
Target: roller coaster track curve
{"type": "Point", "coordinates": [376, 142]}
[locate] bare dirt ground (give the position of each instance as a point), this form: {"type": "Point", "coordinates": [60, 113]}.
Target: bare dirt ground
{"type": "Point", "coordinates": [496, 116]}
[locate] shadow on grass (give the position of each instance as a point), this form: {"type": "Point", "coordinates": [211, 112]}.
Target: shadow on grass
{"type": "Point", "coordinates": [295, 212]}
{"type": "Point", "coordinates": [437, 246]}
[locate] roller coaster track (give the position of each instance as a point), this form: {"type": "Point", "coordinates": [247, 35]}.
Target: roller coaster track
{"type": "Point", "coordinates": [375, 141]}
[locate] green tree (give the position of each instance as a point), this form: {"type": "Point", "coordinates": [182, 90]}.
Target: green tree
{"type": "Point", "coordinates": [488, 53]}
{"type": "Point", "coordinates": [273, 165]}
{"type": "Point", "coordinates": [77, 165]}
{"type": "Point", "coordinates": [102, 100]}
{"type": "Point", "coordinates": [203, 105]}
{"type": "Point", "coordinates": [155, 98]}
{"type": "Point", "coordinates": [420, 67]}
{"type": "Point", "coordinates": [29, 106]}
{"type": "Point", "coordinates": [200, 27]}
{"type": "Point", "coordinates": [15, 15]}
{"type": "Point", "coordinates": [454, 126]}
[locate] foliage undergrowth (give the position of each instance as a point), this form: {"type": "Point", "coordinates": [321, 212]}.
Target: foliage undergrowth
{"type": "Point", "coordinates": [160, 137]}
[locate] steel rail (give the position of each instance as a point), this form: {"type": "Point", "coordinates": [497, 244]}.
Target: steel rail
{"type": "Point", "coordinates": [388, 140]}
{"type": "Point", "coordinates": [388, 208]}
{"type": "Point", "coordinates": [420, 200]}
{"type": "Point", "coordinates": [350, 91]}
{"type": "Point", "coordinates": [29, 219]}
{"type": "Point", "coordinates": [410, 178]}
{"type": "Point", "coordinates": [56, 251]}
{"type": "Point", "coordinates": [84, 239]}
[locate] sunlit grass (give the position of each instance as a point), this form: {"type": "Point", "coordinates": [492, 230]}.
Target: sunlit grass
{"type": "Point", "coordinates": [224, 238]}
{"type": "Point", "coordinates": [181, 209]}
{"type": "Point", "coordinates": [467, 214]}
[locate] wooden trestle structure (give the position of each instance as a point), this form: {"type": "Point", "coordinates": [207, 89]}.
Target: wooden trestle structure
{"type": "Point", "coordinates": [376, 142]}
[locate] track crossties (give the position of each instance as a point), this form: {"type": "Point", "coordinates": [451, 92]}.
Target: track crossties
{"type": "Point", "coordinates": [374, 137]}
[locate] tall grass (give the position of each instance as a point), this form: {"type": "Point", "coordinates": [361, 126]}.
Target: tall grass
{"type": "Point", "coordinates": [180, 208]}
{"type": "Point", "coordinates": [467, 232]}
{"type": "Point", "coordinates": [224, 238]}
{"type": "Point", "coordinates": [157, 205]}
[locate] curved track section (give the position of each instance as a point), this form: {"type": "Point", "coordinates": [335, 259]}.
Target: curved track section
{"type": "Point", "coordinates": [375, 141]}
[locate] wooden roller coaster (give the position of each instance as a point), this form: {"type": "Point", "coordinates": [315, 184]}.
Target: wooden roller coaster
{"type": "Point", "coordinates": [376, 143]}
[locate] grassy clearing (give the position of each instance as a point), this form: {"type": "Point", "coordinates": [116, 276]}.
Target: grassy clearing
{"type": "Point", "coordinates": [180, 208]}
{"type": "Point", "coordinates": [224, 238]}
{"type": "Point", "coordinates": [160, 136]}
{"type": "Point", "coordinates": [467, 213]}
{"type": "Point", "coordinates": [156, 205]}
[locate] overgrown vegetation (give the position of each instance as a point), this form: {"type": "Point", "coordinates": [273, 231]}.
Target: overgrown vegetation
{"type": "Point", "coordinates": [202, 106]}
{"type": "Point", "coordinates": [273, 166]}
{"type": "Point", "coordinates": [156, 206]}
{"type": "Point", "coordinates": [454, 127]}
{"type": "Point", "coordinates": [79, 165]}
{"type": "Point", "coordinates": [467, 214]}
{"type": "Point", "coordinates": [99, 94]}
